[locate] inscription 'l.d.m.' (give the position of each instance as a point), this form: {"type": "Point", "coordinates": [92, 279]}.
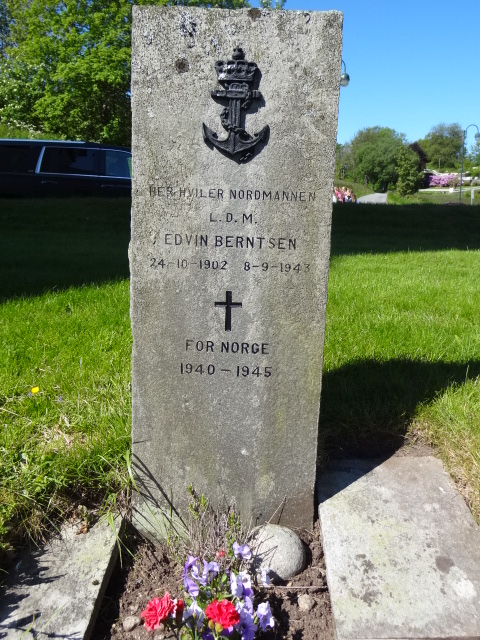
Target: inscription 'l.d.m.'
{"type": "Point", "coordinates": [237, 76]}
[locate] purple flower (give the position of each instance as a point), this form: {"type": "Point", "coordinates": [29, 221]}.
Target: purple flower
{"type": "Point", "coordinates": [248, 604]}
{"type": "Point", "coordinates": [240, 584]}
{"type": "Point", "coordinates": [242, 550]}
{"type": "Point", "coordinates": [265, 617]}
{"type": "Point", "coordinates": [208, 568]}
{"type": "Point", "coordinates": [236, 587]}
{"type": "Point", "coordinates": [265, 577]}
{"type": "Point", "coordinates": [246, 627]}
{"type": "Point", "coordinates": [191, 560]}
{"type": "Point", "coordinates": [195, 572]}
{"type": "Point", "coordinates": [191, 586]}
{"type": "Point", "coordinates": [195, 612]}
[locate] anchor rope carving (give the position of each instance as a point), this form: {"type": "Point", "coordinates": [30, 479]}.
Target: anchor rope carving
{"type": "Point", "coordinates": [237, 77]}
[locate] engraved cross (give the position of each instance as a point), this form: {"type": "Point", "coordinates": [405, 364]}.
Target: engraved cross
{"type": "Point", "coordinates": [229, 305]}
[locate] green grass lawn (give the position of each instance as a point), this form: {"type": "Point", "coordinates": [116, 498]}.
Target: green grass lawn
{"type": "Point", "coordinates": [435, 197]}
{"type": "Point", "coordinates": [402, 350]}
{"type": "Point", "coordinates": [52, 244]}
{"type": "Point", "coordinates": [64, 330]}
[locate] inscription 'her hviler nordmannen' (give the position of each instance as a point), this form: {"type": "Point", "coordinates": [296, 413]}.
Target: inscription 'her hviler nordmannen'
{"type": "Point", "coordinates": [232, 194]}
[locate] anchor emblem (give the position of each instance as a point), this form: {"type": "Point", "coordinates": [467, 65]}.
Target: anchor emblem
{"type": "Point", "coordinates": [237, 77]}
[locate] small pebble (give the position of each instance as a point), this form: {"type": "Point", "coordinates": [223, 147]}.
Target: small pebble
{"type": "Point", "coordinates": [130, 622]}
{"type": "Point", "coordinates": [305, 602]}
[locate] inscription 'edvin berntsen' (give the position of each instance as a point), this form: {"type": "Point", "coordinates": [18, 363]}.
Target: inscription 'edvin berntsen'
{"type": "Point", "coordinates": [230, 242]}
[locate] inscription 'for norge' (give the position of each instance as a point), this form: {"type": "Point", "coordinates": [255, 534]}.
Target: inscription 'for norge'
{"type": "Point", "coordinates": [244, 348]}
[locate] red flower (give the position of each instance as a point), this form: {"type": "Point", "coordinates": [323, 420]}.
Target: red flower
{"type": "Point", "coordinates": [223, 613]}
{"type": "Point", "coordinates": [177, 612]}
{"type": "Point", "coordinates": [158, 610]}
{"type": "Point", "coordinates": [221, 553]}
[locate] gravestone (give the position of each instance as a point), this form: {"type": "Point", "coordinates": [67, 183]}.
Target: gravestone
{"type": "Point", "coordinates": [234, 132]}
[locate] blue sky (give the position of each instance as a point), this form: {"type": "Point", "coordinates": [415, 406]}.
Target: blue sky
{"type": "Point", "coordinates": [412, 64]}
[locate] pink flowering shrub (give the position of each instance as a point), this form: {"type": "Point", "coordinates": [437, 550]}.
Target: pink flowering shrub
{"type": "Point", "coordinates": [441, 180]}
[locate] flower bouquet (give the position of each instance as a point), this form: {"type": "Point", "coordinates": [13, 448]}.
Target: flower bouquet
{"type": "Point", "coordinates": [218, 601]}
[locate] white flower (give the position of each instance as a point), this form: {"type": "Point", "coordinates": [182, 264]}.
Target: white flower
{"type": "Point", "coordinates": [265, 577]}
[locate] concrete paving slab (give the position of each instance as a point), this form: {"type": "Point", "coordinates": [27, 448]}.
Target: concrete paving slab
{"type": "Point", "coordinates": [402, 551]}
{"type": "Point", "coordinates": [55, 591]}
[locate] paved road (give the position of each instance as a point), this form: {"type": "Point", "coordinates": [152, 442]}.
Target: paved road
{"type": "Point", "coordinates": [373, 198]}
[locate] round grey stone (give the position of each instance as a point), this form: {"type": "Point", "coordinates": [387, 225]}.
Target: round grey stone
{"type": "Point", "coordinates": [130, 622]}
{"type": "Point", "coordinates": [305, 602]}
{"type": "Point", "coordinates": [278, 550]}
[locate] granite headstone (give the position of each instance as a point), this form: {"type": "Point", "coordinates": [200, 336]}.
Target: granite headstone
{"type": "Point", "coordinates": [234, 132]}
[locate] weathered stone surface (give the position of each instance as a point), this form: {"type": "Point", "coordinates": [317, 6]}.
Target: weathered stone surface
{"type": "Point", "coordinates": [402, 551]}
{"type": "Point", "coordinates": [277, 549]}
{"type": "Point", "coordinates": [56, 591]}
{"type": "Point", "coordinates": [229, 259]}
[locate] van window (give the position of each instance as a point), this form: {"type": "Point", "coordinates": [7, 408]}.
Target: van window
{"type": "Point", "coordinates": [117, 164]}
{"type": "Point", "coordinates": [18, 158]}
{"type": "Point", "coordinates": [70, 161]}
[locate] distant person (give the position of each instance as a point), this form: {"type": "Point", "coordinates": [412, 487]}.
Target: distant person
{"type": "Point", "coordinates": [343, 194]}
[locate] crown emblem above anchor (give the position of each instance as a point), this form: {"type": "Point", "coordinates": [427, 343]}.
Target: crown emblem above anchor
{"type": "Point", "coordinates": [237, 76]}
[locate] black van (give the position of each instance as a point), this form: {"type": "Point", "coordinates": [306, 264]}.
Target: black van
{"type": "Point", "coordinates": [61, 168]}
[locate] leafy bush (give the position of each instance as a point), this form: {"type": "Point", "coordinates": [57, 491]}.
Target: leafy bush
{"type": "Point", "coordinates": [409, 175]}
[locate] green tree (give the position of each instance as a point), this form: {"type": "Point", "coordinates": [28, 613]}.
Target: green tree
{"type": "Point", "coordinates": [343, 163]}
{"type": "Point", "coordinates": [4, 27]}
{"type": "Point", "coordinates": [422, 158]}
{"type": "Point", "coordinates": [66, 65]}
{"type": "Point", "coordinates": [272, 4]}
{"type": "Point", "coordinates": [474, 154]}
{"type": "Point", "coordinates": [443, 145]}
{"type": "Point", "coordinates": [374, 151]}
{"type": "Point", "coordinates": [409, 175]}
